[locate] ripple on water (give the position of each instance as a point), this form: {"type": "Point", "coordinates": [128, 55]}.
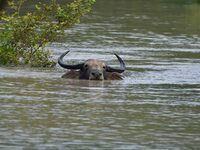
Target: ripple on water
{"type": "Point", "coordinates": [156, 106]}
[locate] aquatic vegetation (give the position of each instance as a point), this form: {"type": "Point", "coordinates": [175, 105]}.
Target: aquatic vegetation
{"type": "Point", "coordinates": [25, 36]}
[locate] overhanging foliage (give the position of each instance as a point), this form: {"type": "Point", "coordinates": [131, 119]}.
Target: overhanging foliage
{"type": "Point", "coordinates": [26, 36]}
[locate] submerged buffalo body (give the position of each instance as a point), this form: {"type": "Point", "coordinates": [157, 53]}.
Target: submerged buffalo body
{"type": "Point", "coordinates": [92, 69]}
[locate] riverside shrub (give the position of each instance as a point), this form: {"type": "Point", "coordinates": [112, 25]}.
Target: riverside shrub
{"type": "Point", "coordinates": [26, 36]}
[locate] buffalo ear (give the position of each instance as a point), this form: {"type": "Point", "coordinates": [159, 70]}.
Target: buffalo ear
{"type": "Point", "coordinates": [113, 76]}
{"type": "Point", "coordinates": [72, 74]}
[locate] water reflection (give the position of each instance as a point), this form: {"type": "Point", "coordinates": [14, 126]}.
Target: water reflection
{"type": "Point", "coordinates": [139, 23]}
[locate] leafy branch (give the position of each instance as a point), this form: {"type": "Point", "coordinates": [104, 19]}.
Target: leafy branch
{"type": "Point", "coordinates": [26, 36]}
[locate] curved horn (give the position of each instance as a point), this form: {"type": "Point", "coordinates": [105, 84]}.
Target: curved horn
{"type": "Point", "coordinates": [62, 64]}
{"type": "Point", "coordinates": [122, 66]}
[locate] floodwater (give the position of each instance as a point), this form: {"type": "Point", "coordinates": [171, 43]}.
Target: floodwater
{"type": "Point", "coordinates": [156, 106]}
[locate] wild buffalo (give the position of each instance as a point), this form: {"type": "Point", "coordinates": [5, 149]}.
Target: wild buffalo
{"type": "Point", "coordinates": [92, 69]}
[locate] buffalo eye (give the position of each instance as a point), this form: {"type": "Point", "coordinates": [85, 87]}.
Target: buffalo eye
{"type": "Point", "coordinates": [86, 66]}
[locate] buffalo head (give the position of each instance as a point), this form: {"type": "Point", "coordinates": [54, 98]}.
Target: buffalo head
{"type": "Point", "coordinates": [92, 69]}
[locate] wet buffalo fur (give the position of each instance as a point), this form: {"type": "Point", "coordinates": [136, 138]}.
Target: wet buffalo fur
{"type": "Point", "coordinates": [74, 74]}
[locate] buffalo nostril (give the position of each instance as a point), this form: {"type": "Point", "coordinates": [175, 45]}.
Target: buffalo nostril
{"type": "Point", "coordinates": [96, 74]}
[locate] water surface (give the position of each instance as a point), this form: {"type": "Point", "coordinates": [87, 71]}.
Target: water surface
{"type": "Point", "coordinates": [156, 106]}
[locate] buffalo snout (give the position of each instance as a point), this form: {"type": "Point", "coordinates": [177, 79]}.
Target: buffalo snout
{"type": "Point", "coordinates": [96, 75]}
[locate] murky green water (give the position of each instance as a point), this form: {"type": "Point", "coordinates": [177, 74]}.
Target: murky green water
{"type": "Point", "coordinates": [156, 106]}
